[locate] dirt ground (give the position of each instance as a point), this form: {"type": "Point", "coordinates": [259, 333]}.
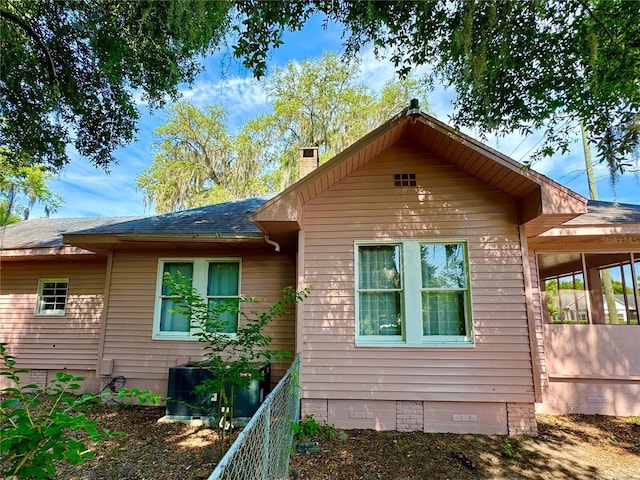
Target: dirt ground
{"type": "Point", "coordinates": [572, 447]}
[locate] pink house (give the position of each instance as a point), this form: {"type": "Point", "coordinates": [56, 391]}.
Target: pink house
{"type": "Point", "coordinates": [432, 260]}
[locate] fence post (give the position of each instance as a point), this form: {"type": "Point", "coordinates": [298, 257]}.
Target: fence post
{"type": "Point", "coordinates": [266, 443]}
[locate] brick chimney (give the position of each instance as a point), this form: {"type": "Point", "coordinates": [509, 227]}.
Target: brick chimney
{"type": "Point", "coordinates": [309, 161]}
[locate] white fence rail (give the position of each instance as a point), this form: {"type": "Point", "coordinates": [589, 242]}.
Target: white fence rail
{"type": "Point", "coordinates": [261, 451]}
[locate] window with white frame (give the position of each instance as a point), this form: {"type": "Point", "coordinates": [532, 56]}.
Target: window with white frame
{"type": "Point", "coordinates": [218, 280]}
{"type": "Point", "coordinates": [52, 296]}
{"type": "Point", "coordinates": [412, 292]}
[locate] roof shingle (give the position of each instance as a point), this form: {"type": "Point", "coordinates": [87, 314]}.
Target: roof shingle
{"type": "Point", "coordinates": [223, 218]}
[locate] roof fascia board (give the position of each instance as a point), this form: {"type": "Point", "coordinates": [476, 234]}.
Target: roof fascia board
{"type": "Point", "coordinates": [45, 251]}
{"type": "Point", "coordinates": [593, 230]}
{"type": "Point", "coordinates": [176, 237]}
{"type": "Point", "coordinates": [495, 155]}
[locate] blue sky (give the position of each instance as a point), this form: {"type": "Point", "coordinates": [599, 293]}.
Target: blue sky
{"type": "Point", "coordinates": [88, 191]}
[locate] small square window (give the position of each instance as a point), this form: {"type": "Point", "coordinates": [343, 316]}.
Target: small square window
{"type": "Point", "coordinates": [52, 296]}
{"type": "Point", "coordinates": [405, 179]}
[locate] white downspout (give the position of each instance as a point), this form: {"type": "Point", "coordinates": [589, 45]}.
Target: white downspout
{"type": "Point", "coordinates": [276, 245]}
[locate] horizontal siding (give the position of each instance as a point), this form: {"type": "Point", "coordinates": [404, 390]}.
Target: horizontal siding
{"type": "Point", "coordinates": [447, 203]}
{"type": "Point", "coordinates": [128, 337]}
{"type": "Point", "coordinates": [52, 342]}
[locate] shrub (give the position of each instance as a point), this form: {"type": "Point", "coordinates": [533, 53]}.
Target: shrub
{"type": "Point", "coordinates": [40, 425]}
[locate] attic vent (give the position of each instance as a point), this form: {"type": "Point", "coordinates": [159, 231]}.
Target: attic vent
{"type": "Point", "coordinates": [405, 179]}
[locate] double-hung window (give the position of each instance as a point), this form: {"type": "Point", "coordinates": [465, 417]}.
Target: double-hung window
{"type": "Point", "coordinates": [413, 292]}
{"type": "Point", "coordinates": [217, 280]}
{"type": "Point", "coordinates": [52, 296]}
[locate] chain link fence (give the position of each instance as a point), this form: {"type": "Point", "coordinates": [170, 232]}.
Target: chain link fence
{"type": "Point", "coordinates": [261, 451]}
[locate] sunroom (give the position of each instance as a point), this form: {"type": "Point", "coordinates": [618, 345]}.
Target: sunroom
{"type": "Point", "coordinates": [588, 274]}
{"type": "Point", "coordinates": [589, 288]}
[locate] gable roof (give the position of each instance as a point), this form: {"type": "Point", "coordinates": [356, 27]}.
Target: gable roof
{"type": "Point", "coordinates": [544, 205]}
{"type": "Point", "coordinates": [542, 202]}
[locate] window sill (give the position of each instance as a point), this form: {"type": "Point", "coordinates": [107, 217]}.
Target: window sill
{"type": "Point", "coordinates": [185, 337]}
{"type": "Point", "coordinates": [181, 338]}
{"type": "Point", "coordinates": [416, 345]}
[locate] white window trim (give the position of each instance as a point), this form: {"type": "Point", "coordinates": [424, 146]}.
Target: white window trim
{"type": "Point", "coordinates": [199, 281]}
{"type": "Point", "coordinates": [411, 299]}
{"type": "Point", "coordinates": [48, 313]}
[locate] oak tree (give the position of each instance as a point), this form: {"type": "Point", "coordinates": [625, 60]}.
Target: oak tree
{"type": "Point", "coordinates": [317, 102]}
{"type": "Point", "coordinates": [515, 65]}
{"type": "Point", "coordinates": [72, 70]}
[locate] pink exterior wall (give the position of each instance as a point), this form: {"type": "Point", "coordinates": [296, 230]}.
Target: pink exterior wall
{"type": "Point", "coordinates": [81, 344]}
{"type": "Point", "coordinates": [51, 342]}
{"type": "Point", "coordinates": [592, 369]}
{"type": "Point", "coordinates": [446, 204]}
{"type": "Point", "coordinates": [144, 362]}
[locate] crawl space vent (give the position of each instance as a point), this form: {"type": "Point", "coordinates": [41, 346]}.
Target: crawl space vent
{"type": "Point", "coordinates": [405, 179]}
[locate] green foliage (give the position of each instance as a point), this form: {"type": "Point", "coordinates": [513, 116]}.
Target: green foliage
{"type": "Point", "coordinates": [510, 448]}
{"type": "Point", "coordinates": [198, 162]}
{"type": "Point", "coordinates": [72, 71]}
{"type": "Point", "coordinates": [40, 426]}
{"type": "Point", "coordinates": [309, 428]}
{"type": "Point", "coordinates": [515, 66]}
{"type": "Point", "coordinates": [23, 182]}
{"type": "Point", "coordinates": [234, 359]}
{"type": "Point", "coordinates": [315, 103]}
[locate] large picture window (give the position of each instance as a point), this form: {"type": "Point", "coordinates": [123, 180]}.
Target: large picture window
{"type": "Point", "coordinates": [600, 288]}
{"type": "Point", "coordinates": [52, 296]}
{"type": "Point", "coordinates": [412, 293]}
{"type": "Point", "coordinates": [218, 280]}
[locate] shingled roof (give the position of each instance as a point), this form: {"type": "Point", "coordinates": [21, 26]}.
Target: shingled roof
{"type": "Point", "coordinates": [224, 219]}
{"type": "Point", "coordinates": [47, 232]}
{"type": "Point", "coordinates": [607, 213]}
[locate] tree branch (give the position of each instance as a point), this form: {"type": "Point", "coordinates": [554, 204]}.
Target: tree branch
{"type": "Point", "coordinates": [53, 79]}
{"type": "Point", "coordinates": [586, 6]}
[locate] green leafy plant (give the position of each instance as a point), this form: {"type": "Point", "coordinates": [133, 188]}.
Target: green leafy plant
{"type": "Point", "coordinates": [510, 448]}
{"type": "Point", "coordinates": [41, 425]}
{"type": "Point", "coordinates": [507, 448]}
{"type": "Point", "coordinates": [234, 359]}
{"type": "Point", "coordinates": [309, 428]}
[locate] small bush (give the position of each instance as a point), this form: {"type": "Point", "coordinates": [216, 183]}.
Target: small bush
{"type": "Point", "coordinates": [309, 428]}
{"type": "Point", "coordinates": [40, 425]}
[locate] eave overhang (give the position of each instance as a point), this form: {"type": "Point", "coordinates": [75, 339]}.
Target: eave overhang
{"type": "Point", "coordinates": [606, 226]}
{"type": "Point", "coordinates": [40, 253]}
{"type": "Point", "coordinates": [182, 241]}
